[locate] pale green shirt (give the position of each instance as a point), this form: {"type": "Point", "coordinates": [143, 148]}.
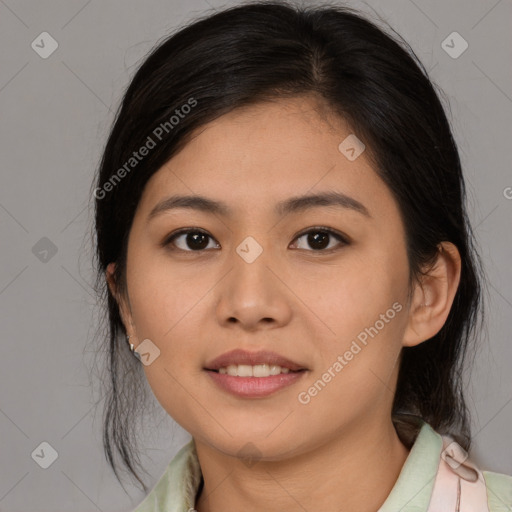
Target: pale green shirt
{"type": "Point", "coordinates": [177, 489]}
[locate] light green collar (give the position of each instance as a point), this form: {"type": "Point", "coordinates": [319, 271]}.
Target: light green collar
{"type": "Point", "coordinates": [414, 486]}
{"type": "Point", "coordinates": [177, 489]}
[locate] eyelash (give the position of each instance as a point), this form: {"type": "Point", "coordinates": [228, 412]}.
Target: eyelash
{"type": "Point", "coordinates": [316, 229]}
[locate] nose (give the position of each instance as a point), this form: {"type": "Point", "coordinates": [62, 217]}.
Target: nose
{"type": "Point", "coordinates": [253, 295]}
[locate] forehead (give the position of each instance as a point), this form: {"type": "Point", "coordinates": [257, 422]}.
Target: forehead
{"type": "Point", "coordinates": [265, 153]}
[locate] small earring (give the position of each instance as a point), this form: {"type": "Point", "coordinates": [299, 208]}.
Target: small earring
{"type": "Point", "coordinates": [132, 348]}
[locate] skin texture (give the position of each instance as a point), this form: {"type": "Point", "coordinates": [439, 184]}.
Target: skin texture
{"type": "Point", "coordinates": [340, 451]}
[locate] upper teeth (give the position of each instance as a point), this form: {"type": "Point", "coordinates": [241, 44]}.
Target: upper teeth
{"type": "Point", "coordinates": [258, 370]}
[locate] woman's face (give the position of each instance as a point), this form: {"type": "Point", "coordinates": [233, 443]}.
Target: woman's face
{"type": "Point", "coordinates": [267, 275]}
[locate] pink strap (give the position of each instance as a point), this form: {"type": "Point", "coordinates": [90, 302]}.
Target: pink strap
{"type": "Point", "coordinates": [459, 484]}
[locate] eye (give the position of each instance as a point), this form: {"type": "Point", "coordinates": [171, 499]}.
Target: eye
{"type": "Point", "coordinates": [189, 240]}
{"type": "Point", "coordinates": [319, 239]}
{"type": "Point", "coordinates": [196, 240]}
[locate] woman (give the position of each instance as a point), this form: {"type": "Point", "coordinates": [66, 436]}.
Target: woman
{"type": "Point", "coordinates": [283, 240]}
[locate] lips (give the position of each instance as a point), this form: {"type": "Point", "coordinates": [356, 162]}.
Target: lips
{"type": "Point", "coordinates": [239, 357]}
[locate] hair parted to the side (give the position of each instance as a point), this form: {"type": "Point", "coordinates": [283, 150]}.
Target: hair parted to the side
{"type": "Point", "coordinates": [263, 51]}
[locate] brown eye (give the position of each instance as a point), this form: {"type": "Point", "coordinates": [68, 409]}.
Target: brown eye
{"type": "Point", "coordinates": [320, 239]}
{"type": "Point", "coordinates": [189, 240]}
{"type": "Point", "coordinates": [317, 239]}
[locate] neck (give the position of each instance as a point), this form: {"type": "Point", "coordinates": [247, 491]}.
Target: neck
{"type": "Point", "coordinates": [353, 470]}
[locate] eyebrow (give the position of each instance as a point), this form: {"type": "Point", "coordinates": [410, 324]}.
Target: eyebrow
{"type": "Point", "coordinates": [291, 205]}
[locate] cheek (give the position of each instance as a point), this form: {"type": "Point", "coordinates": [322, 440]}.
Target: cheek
{"type": "Point", "coordinates": [164, 294]}
{"type": "Point", "coordinates": [350, 296]}
{"type": "Point", "coordinates": [167, 302]}
{"type": "Point", "coordinates": [363, 313]}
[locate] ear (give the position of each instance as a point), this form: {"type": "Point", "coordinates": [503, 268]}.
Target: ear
{"type": "Point", "coordinates": [433, 296]}
{"type": "Point", "coordinates": [124, 308]}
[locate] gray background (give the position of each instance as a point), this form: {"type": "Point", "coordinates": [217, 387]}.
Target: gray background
{"type": "Point", "coordinates": [55, 117]}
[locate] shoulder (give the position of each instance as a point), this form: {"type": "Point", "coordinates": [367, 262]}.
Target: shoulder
{"type": "Point", "coordinates": [499, 491]}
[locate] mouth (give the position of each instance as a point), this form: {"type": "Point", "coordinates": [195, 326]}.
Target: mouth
{"type": "Point", "coordinates": [251, 382]}
{"type": "Point", "coordinates": [253, 374]}
{"type": "Point", "coordinates": [242, 363]}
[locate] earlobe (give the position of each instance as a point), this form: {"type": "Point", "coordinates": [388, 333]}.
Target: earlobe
{"type": "Point", "coordinates": [433, 296]}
